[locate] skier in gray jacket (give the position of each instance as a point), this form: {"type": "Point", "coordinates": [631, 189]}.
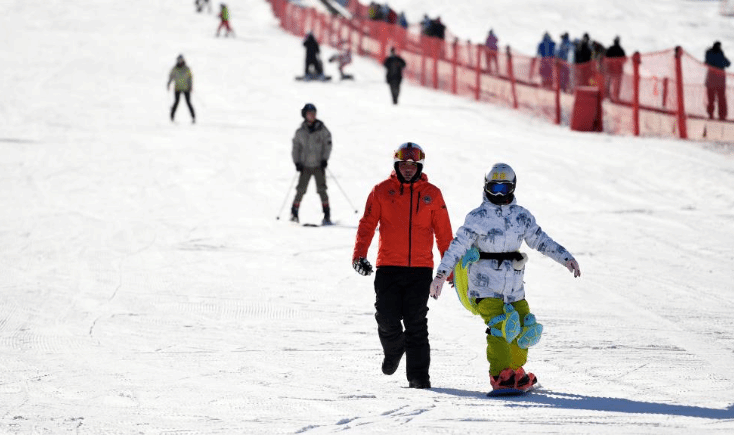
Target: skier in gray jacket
{"type": "Point", "coordinates": [311, 151]}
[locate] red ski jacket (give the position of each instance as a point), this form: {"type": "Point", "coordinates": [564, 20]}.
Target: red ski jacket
{"type": "Point", "coordinates": [408, 215]}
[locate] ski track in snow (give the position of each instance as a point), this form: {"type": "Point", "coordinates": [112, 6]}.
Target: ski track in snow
{"type": "Point", "coordinates": [148, 289]}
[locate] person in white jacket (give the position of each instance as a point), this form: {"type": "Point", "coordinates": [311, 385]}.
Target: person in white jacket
{"type": "Point", "coordinates": [490, 241]}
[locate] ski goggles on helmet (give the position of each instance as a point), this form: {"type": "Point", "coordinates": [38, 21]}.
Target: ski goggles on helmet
{"type": "Point", "coordinates": [409, 154]}
{"type": "Point", "coordinates": [499, 188]}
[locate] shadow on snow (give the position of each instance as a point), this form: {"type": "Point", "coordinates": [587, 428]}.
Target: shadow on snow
{"type": "Point", "coordinates": [552, 399]}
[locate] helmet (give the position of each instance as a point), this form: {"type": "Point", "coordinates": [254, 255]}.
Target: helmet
{"type": "Point", "coordinates": [180, 58]}
{"type": "Point", "coordinates": [499, 183]}
{"type": "Point", "coordinates": [409, 152]}
{"type": "Point", "coordinates": [308, 108]}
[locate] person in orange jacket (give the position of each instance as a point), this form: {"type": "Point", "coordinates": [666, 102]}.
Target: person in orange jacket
{"type": "Point", "coordinates": [409, 212]}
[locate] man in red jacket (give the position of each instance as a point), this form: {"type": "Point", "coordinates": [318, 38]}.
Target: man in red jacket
{"type": "Point", "coordinates": [409, 211]}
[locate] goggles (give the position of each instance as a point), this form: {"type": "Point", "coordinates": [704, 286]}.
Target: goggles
{"type": "Point", "coordinates": [410, 154]}
{"type": "Point", "coordinates": [501, 188]}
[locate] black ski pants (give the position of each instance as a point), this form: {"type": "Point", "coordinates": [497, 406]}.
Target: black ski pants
{"type": "Point", "coordinates": [395, 89]}
{"type": "Point", "coordinates": [402, 295]}
{"type": "Point", "coordinates": [176, 97]}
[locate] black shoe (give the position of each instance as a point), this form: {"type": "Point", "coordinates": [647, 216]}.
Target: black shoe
{"type": "Point", "coordinates": [294, 214]}
{"type": "Point", "coordinates": [419, 383]}
{"type": "Point", "coordinates": [390, 365]}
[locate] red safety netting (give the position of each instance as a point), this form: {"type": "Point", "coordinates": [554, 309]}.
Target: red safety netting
{"type": "Point", "coordinates": [662, 94]}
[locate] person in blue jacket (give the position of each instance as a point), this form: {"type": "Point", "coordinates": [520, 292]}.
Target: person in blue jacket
{"type": "Point", "coordinates": [546, 53]}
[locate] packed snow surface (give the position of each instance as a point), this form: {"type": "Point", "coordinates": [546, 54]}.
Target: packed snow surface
{"type": "Point", "coordinates": [147, 287]}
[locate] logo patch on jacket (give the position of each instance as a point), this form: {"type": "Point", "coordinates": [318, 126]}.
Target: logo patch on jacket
{"type": "Point", "coordinates": [427, 200]}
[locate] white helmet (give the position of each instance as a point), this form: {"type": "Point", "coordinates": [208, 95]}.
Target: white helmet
{"type": "Point", "coordinates": [500, 182]}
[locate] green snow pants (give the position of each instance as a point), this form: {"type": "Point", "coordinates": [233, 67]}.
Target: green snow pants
{"type": "Point", "coordinates": [500, 353]}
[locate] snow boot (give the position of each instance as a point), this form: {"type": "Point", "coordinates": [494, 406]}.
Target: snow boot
{"type": "Point", "coordinates": [419, 383]}
{"type": "Point", "coordinates": [506, 379]}
{"type": "Point", "coordinates": [327, 216]}
{"type": "Point", "coordinates": [294, 213]}
{"type": "Point", "coordinates": [513, 379]}
{"type": "Point", "coordinates": [524, 381]}
{"type": "Point", "coordinates": [390, 364]}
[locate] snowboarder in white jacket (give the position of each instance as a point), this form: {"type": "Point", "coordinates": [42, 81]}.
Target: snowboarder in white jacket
{"type": "Point", "coordinates": [490, 240]}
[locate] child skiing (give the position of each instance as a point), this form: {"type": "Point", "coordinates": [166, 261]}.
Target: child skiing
{"type": "Point", "coordinates": [224, 17]}
{"type": "Point", "coordinates": [487, 250]}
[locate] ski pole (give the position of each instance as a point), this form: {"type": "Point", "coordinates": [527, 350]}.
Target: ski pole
{"type": "Point", "coordinates": [342, 190]}
{"type": "Point", "coordinates": [286, 196]}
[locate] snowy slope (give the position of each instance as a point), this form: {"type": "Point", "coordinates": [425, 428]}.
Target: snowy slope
{"type": "Point", "coordinates": [147, 287]}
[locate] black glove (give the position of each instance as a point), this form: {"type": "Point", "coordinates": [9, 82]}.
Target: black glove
{"type": "Point", "coordinates": [362, 266]}
{"type": "Point", "coordinates": [323, 164]}
{"type": "Point", "coordinates": [299, 167]}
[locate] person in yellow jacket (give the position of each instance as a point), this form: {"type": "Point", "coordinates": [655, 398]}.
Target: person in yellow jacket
{"type": "Point", "coordinates": [183, 82]}
{"type": "Point", "coordinates": [224, 17]}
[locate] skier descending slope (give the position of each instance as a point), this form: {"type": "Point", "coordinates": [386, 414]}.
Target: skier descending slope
{"type": "Point", "coordinates": [409, 211]}
{"type": "Point", "coordinates": [488, 244]}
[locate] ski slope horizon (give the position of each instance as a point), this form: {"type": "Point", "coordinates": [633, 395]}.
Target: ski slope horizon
{"type": "Point", "coordinates": [149, 289]}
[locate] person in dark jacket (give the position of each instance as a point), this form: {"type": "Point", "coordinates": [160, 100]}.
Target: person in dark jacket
{"type": "Point", "coordinates": [312, 56]}
{"type": "Point", "coordinates": [716, 80]}
{"type": "Point", "coordinates": [615, 57]}
{"type": "Point", "coordinates": [584, 70]}
{"type": "Point", "coordinates": [394, 65]}
{"type": "Point", "coordinates": [183, 82]}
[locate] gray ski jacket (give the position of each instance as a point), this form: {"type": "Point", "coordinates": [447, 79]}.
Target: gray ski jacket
{"type": "Point", "coordinates": [498, 229]}
{"type": "Point", "coordinates": [311, 145]}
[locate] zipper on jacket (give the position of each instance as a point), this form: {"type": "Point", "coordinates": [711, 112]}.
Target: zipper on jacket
{"type": "Point", "coordinates": [410, 226]}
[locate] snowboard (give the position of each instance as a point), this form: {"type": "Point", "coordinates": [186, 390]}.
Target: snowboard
{"type": "Point", "coordinates": [505, 392]}
{"type": "Point", "coordinates": [314, 78]}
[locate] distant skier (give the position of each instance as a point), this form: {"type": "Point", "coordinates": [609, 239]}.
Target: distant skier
{"type": "Point", "coordinates": [492, 50]}
{"type": "Point", "coordinates": [716, 80]}
{"type": "Point", "coordinates": [394, 65]}
{"type": "Point", "coordinates": [200, 4]}
{"type": "Point", "coordinates": [224, 23]}
{"type": "Point", "coordinates": [183, 83]}
{"type": "Point", "coordinates": [313, 57]}
{"type": "Point", "coordinates": [343, 58]}
{"type": "Point", "coordinates": [489, 243]}
{"type": "Point", "coordinates": [311, 151]}
{"type": "Point", "coordinates": [409, 212]}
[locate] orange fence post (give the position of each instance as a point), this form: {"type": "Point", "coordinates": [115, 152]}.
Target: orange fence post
{"type": "Point", "coordinates": [557, 86]}
{"type": "Point", "coordinates": [636, 59]}
{"type": "Point", "coordinates": [511, 75]}
{"type": "Point", "coordinates": [435, 46]}
{"type": "Point", "coordinates": [360, 31]}
{"type": "Point", "coordinates": [682, 124]}
{"type": "Point", "coordinates": [453, 65]}
{"type": "Point", "coordinates": [478, 71]}
{"type": "Point", "coordinates": [423, 60]}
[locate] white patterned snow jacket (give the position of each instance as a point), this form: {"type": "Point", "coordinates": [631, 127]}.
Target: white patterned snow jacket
{"type": "Point", "coordinates": [499, 228]}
